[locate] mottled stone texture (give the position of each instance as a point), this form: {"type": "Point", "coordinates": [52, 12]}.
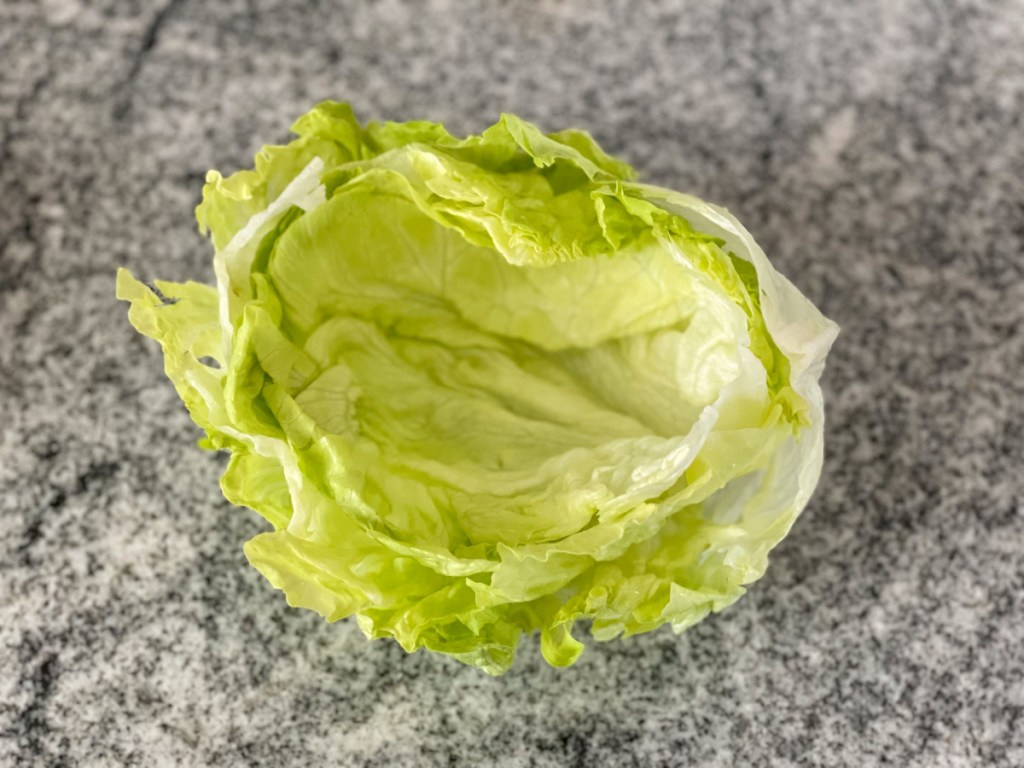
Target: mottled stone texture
{"type": "Point", "coordinates": [874, 148]}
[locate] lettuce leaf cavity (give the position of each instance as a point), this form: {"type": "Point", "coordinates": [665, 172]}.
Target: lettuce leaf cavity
{"type": "Point", "coordinates": [485, 386]}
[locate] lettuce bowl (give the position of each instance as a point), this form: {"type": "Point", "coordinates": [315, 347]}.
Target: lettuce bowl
{"type": "Point", "coordinates": [480, 387]}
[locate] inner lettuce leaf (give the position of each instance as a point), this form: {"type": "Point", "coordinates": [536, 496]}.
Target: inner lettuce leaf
{"type": "Point", "coordinates": [485, 386]}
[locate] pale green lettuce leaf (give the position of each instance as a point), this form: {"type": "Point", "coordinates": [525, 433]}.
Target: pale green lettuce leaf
{"type": "Point", "coordinates": [488, 386]}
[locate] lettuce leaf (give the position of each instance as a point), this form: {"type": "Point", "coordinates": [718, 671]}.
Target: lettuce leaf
{"type": "Point", "coordinates": [488, 386]}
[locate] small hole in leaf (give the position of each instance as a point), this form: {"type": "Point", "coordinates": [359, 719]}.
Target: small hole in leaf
{"type": "Point", "coordinates": [209, 362]}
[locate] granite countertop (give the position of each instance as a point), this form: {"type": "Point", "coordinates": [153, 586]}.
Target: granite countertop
{"type": "Point", "coordinates": [874, 149]}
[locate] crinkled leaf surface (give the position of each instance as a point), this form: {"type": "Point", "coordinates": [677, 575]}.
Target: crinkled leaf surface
{"type": "Point", "coordinates": [486, 386]}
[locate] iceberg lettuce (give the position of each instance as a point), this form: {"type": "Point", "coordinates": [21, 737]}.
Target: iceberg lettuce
{"type": "Point", "coordinates": [487, 386]}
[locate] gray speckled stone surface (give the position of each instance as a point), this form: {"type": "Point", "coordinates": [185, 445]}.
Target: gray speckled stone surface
{"type": "Point", "coordinates": [874, 148]}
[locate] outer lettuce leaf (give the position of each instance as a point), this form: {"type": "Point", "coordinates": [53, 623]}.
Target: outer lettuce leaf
{"type": "Point", "coordinates": [486, 386]}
